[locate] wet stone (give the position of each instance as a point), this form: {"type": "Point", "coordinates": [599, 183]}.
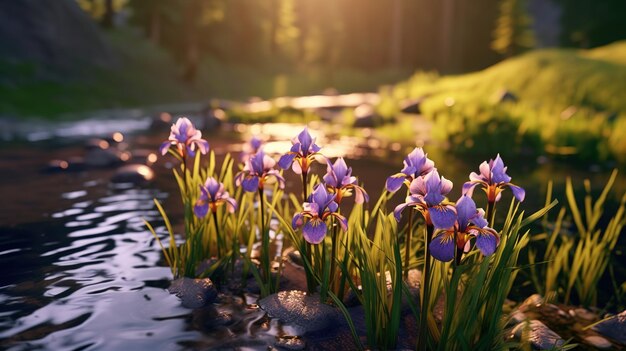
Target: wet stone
{"type": "Point", "coordinates": [134, 174]}
{"type": "Point", "coordinates": [540, 336]}
{"type": "Point", "coordinates": [531, 303]}
{"type": "Point", "coordinates": [301, 310]}
{"type": "Point", "coordinates": [365, 116]}
{"type": "Point", "coordinates": [585, 314]}
{"type": "Point", "coordinates": [290, 343]}
{"type": "Point", "coordinates": [57, 166]}
{"type": "Point", "coordinates": [598, 342]}
{"type": "Point", "coordinates": [411, 106]}
{"type": "Point", "coordinates": [517, 317]}
{"type": "Point", "coordinates": [614, 328]}
{"type": "Point", "coordinates": [194, 293]}
{"type": "Point", "coordinates": [102, 157]}
{"type": "Point", "coordinates": [505, 96]}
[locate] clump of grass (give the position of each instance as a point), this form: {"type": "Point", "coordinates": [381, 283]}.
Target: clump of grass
{"type": "Point", "coordinates": [202, 239]}
{"type": "Point", "coordinates": [577, 260]}
{"type": "Point", "coordinates": [364, 251]}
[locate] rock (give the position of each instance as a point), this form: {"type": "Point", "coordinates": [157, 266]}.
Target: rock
{"type": "Point", "coordinates": [585, 314]}
{"type": "Point", "coordinates": [57, 166]}
{"type": "Point", "coordinates": [411, 106]}
{"type": "Point", "coordinates": [134, 174]}
{"type": "Point", "coordinates": [102, 157]}
{"type": "Point", "coordinates": [540, 336]}
{"type": "Point", "coordinates": [300, 309]}
{"type": "Point", "coordinates": [365, 116]}
{"type": "Point", "coordinates": [505, 96]}
{"type": "Point", "coordinates": [531, 303]}
{"type": "Point", "coordinates": [516, 317]}
{"type": "Point", "coordinates": [143, 156]}
{"type": "Point", "coordinates": [296, 258]}
{"type": "Point", "coordinates": [194, 293]}
{"type": "Point", "coordinates": [614, 328]}
{"type": "Point", "coordinates": [212, 118]}
{"type": "Point", "coordinates": [290, 343]}
{"type": "Point", "coordinates": [598, 342]}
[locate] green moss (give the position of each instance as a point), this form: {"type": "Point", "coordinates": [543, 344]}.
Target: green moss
{"type": "Point", "coordinates": [567, 103]}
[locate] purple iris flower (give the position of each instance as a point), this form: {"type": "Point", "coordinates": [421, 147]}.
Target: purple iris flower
{"type": "Point", "coordinates": [212, 195]}
{"type": "Point", "coordinates": [250, 148]}
{"type": "Point", "coordinates": [186, 138]}
{"type": "Point", "coordinates": [256, 171]}
{"type": "Point", "coordinates": [339, 181]}
{"type": "Point", "coordinates": [470, 222]}
{"type": "Point", "coordinates": [493, 179]}
{"type": "Point", "coordinates": [319, 207]}
{"type": "Point", "coordinates": [416, 164]}
{"type": "Point", "coordinates": [302, 153]}
{"type": "Point", "coordinates": [426, 195]}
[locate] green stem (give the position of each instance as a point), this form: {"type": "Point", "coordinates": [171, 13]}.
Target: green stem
{"type": "Point", "coordinates": [310, 279]}
{"type": "Point", "coordinates": [217, 236]}
{"type": "Point", "coordinates": [333, 257]}
{"type": "Point", "coordinates": [491, 212]}
{"type": "Point", "coordinates": [186, 191]}
{"type": "Point", "coordinates": [265, 242]}
{"type": "Point", "coordinates": [459, 251]}
{"type": "Point", "coordinates": [407, 246]}
{"type": "Point", "coordinates": [424, 308]}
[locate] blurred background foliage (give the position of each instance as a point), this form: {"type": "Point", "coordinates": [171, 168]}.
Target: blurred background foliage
{"type": "Point", "coordinates": [546, 74]}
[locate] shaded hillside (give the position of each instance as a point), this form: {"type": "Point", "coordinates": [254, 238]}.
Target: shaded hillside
{"type": "Point", "coordinates": [53, 35]}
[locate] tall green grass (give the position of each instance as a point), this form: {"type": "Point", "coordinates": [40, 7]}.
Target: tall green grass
{"type": "Point", "coordinates": [576, 261]}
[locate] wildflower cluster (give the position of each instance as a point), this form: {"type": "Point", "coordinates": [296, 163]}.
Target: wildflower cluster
{"type": "Point", "coordinates": [336, 248]}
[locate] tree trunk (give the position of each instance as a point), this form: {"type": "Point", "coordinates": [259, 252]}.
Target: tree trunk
{"type": "Point", "coordinates": [191, 54]}
{"type": "Point", "coordinates": [109, 12]}
{"type": "Point", "coordinates": [154, 29]}
{"type": "Point", "coordinates": [395, 53]}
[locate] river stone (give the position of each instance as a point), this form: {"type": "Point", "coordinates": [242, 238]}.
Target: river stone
{"type": "Point", "coordinates": [614, 328]}
{"type": "Point", "coordinates": [194, 293]}
{"type": "Point", "coordinates": [96, 157]}
{"type": "Point", "coordinates": [598, 342]}
{"type": "Point", "coordinates": [411, 106]}
{"type": "Point", "coordinates": [533, 302]}
{"type": "Point", "coordinates": [365, 116]}
{"type": "Point", "coordinates": [300, 309]}
{"type": "Point", "coordinates": [134, 174]}
{"type": "Point", "coordinates": [290, 343]}
{"type": "Point", "coordinates": [541, 337]}
{"type": "Point", "coordinates": [585, 314]}
{"type": "Point", "coordinates": [505, 96]}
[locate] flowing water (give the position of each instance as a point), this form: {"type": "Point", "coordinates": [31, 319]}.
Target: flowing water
{"type": "Point", "coordinates": [81, 271]}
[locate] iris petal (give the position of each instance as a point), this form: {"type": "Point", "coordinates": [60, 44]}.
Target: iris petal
{"type": "Point", "coordinates": [286, 160]}
{"type": "Point", "coordinates": [468, 187]}
{"type": "Point", "coordinates": [296, 222]}
{"type": "Point", "coordinates": [250, 183]}
{"type": "Point", "coordinates": [200, 209]}
{"type": "Point", "coordinates": [443, 217]}
{"type": "Point", "coordinates": [314, 231]}
{"type": "Point", "coordinates": [465, 210]}
{"type": "Point", "coordinates": [164, 147]}
{"type": "Point", "coordinates": [518, 192]}
{"type": "Point", "coordinates": [486, 243]}
{"type": "Point", "coordinates": [442, 247]}
{"type": "Point", "coordinates": [397, 212]}
{"type": "Point", "coordinates": [305, 140]}
{"type": "Point", "coordinates": [395, 182]}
